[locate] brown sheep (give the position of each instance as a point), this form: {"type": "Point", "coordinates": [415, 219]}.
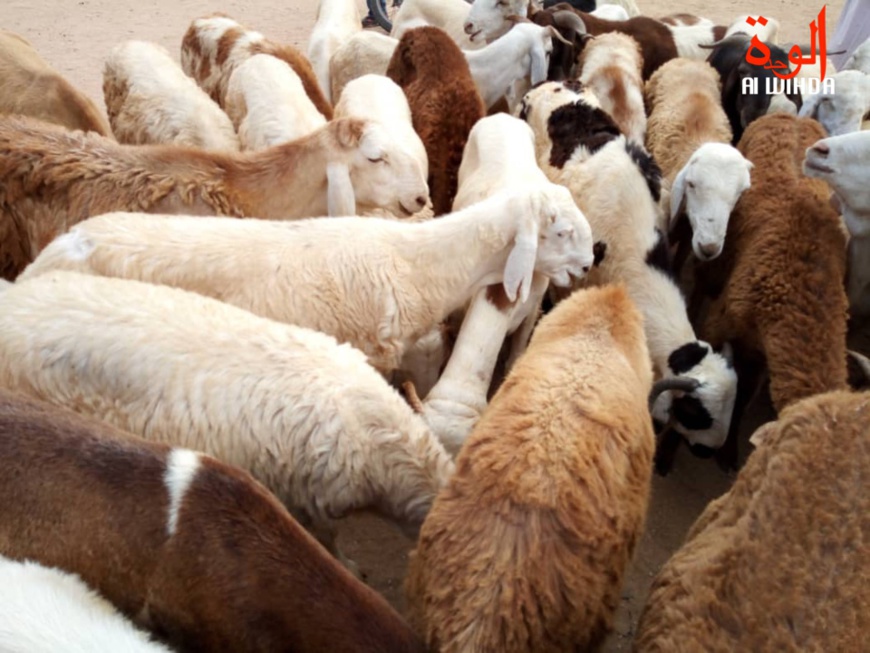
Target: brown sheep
{"type": "Point", "coordinates": [30, 87]}
{"type": "Point", "coordinates": [51, 179]}
{"type": "Point", "coordinates": [214, 45]}
{"type": "Point", "coordinates": [525, 549]}
{"type": "Point", "coordinates": [778, 284]}
{"type": "Point", "coordinates": [195, 550]}
{"type": "Point", "coordinates": [444, 101]}
{"type": "Point", "coordinates": [780, 562]}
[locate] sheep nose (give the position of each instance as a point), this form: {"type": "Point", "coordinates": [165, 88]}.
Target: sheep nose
{"type": "Point", "coordinates": [710, 250]}
{"type": "Point", "coordinates": [821, 148]}
{"type": "Point", "coordinates": [421, 201]}
{"type": "Point", "coordinates": [469, 28]}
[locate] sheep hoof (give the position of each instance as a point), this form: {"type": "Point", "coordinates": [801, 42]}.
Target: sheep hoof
{"type": "Point", "coordinates": [412, 397]}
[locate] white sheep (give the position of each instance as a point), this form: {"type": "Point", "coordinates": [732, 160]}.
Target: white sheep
{"type": "Point", "coordinates": [364, 53]}
{"type": "Point", "coordinates": [346, 166]}
{"type": "Point", "coordinates": [378, 284]}
{"type": "Point", "coordinates": [844, 163]}
{"type": "Point", "coordinates": [334, 23]}
{"type": "Point", "coordinates": [307, 417]}
{"type": "Point", "coordinates": [378, 98]}
{"type": "Point", "coordinates": [689, 136]}
{"type": "Point", "coordinates": [46, 610]}
{"type": "Point", "coordinates": [268, 105]}
{"type": "Point", "coordinates": [448, 15]}
{"type": "Point", "coordinates": [579, 145]}
{"type": "Point", "coordinates": [150, 100]}
{"type": "Point", "coordinates": [610, 65]}
{"type": "Point", "coordinates": [843, 110]}
{"type": "Point", "coordinates": [499, 155]}
{"type": "Point", "coordinates": [214, 45]}
{"type": "Point", "coordinates": [767, 32]}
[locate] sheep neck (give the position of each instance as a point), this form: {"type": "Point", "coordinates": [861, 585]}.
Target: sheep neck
{"type": "Point", "coordinates": [286, 181]}
{"type": "Point", "coordinates": [494, 68]}
{"type": "Point", "coordinates": [461, 252]}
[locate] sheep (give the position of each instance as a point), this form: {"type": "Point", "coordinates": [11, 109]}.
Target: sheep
{"type": "Point", "coordinates": [579, 145]}
{"type": "Point", "coordinates": [728, 57]}
{"type": "Point", "coordinates": [190, 548]}
{"type": "Point", "coordinates": [215, 44]}
{"type": "Point", "coordinates": [150, 100]}
{"type": "Point", "coordinates": [448, 15]}
{"type": "Point", "coordinates": [845, 108]}
{"type": "Point", "coordinates": [610, 65]}
{"type": "Point", "coordinates": [46, 610]}
{"type": "Point", "coordinates": [377, 284]}
{"type": "Point", "coordinates": [778, 284]}
{"type": "Point", "coordinates": [315, 424]}
{"type": "Point", "coordinates": [268, 105]}
{"type": "Point", "coordinates": [526, 547]}
{"type": "Point", "coordinates": [563, 58]}
{"type": "Point", "coordinates": [30, 86]}
{"type": "Point", "coordinates": [689, 136]}
{"type": "Point", "coordinates": [444, 101]}
{"type": "Point", "coordinates": [376, 97]}
{"type": "Point", "coordinates": [778, 563]}
{"type": "Point", "coordinates": [654, 37]}
{"type": "Point", "coordinates": [348, 163]}
{"type": "Point", "coordinates": [499, 154]}
{"type": "Point", "coordinates": [364, 53]}
{"type": "Point", "coordinates": [843, 162]}
{"type": "Point", "coordinates": [334, 23]}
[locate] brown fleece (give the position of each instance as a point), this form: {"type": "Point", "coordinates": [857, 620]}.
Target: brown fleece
{"type": "Point", "coordinates": [238, 574]}
{"type": "Point", "coordinates": [779, 279]}
{"type": "Point", "coordinates": [525, 549]}
{"type": "Point", "coordinates": [780, 562]}
{"type": "Point", "coordinates": [444, 101]}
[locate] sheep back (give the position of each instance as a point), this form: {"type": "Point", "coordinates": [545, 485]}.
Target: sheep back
{"type": "Point", "coordinates": [525, 548]}
{"type": "Point", "coordinates": [778, 283]}
{"type": "Point", "coordinates": [444, 101]}
{"type": "Point", "coordinates": [30, 87]}
{"type": "Point", "coordinates": [779, 563]}
{"type": "Point", "coordinates": [684, 111]}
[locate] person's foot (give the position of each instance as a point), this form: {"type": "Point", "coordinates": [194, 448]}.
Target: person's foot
{"type": "Point", "coordinates": [369, 21]}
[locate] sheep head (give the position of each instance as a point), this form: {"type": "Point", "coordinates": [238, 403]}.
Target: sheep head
{"type": "Point", "coordinates": [707, 387]}
{"type": "Point", "coordinates": [843, 110]}
{"type": "Point", "coordinates": [552, 238]}
{"type": "Point", "coordinates": [378, 168]}
{"type": "Point", "coordinates": [843, 162]}
{"type": "Point", "coordinates": [706, 189]}
{"type": "Point", "coordinates": [488, 19]}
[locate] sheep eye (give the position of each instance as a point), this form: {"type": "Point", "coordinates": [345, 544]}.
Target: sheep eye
{"type": "Point", "coordinates": [691, 184]}
{"type": "Point", "coordinates": [378, 160]}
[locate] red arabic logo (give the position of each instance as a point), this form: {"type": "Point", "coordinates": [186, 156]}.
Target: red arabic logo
{"type": "Point", "coordinates": [795, 55]}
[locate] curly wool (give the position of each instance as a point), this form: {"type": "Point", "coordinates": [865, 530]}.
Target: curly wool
{"type": "Point", "coordinates": [779, 563]}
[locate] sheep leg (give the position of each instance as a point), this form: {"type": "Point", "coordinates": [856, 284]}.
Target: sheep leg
{"type": "Point", "coordinates": [666, 451]}
{"type": "Point", "coordinates": [748, 377]}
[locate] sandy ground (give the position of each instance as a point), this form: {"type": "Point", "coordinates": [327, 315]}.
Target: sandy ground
{"type": "Point", "coordinates": [76, 35]}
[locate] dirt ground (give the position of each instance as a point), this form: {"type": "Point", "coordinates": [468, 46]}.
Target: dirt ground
{"type": "Point", "coordinates": [76, 36]}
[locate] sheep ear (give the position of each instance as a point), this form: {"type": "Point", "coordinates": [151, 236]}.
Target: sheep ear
{"type": "Point", "coordinates": [520, 266]}
{"type": "Point", "coordinates": [340, 198]}
{"type": "Point", "coordinates": [762, 433]}
{"type": "Point", "coordinates": [539, 64]}
{"type": "Point", "coordinates": [678, 190]}
{"type": "Point", "coordinates": [349, 132]}
{"type": "Point", "coordinates": [810, 108]}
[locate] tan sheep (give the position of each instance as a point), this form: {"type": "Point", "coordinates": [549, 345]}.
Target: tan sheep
{"type": "Point", "coordinates": [780, 562]}
{"type": "Point", "coordinates": [51, 179]}
{"type": "Point", "coordinates": [30, 87]}
{"type": "Point", "coordinates": [525, 549]}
